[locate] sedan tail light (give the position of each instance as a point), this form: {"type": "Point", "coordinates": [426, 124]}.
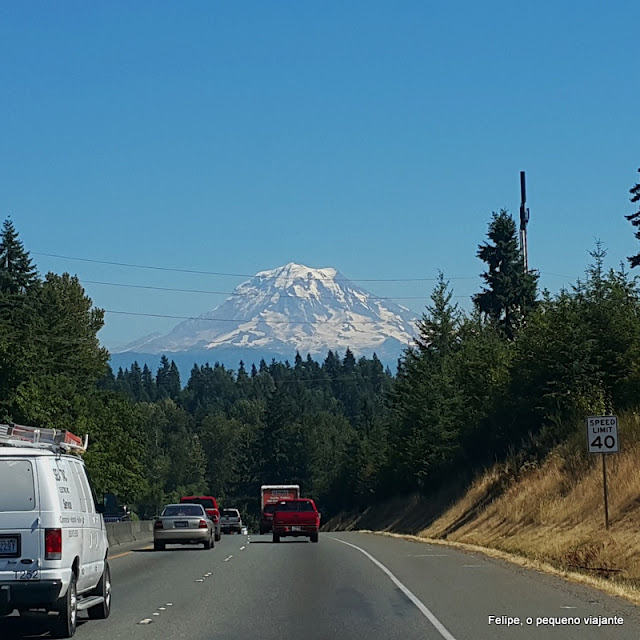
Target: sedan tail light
{"type": "Point", "coordinates": [202, 525]}
{"type": "Point", "coordinates": [158, 525]}
{"type": "Point", "coordinates": [53, 544]}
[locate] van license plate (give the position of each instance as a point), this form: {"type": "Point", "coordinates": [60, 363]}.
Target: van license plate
{"type": "Point", "coordinates": [8, 546]}
{"type": "Point", "coordinates": [296, 528]}
{"type": "Point", "coordinates": [28, 575]}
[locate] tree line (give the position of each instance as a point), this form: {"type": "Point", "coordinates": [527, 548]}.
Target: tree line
{"type": "Point", "coordinates": [509, 379]}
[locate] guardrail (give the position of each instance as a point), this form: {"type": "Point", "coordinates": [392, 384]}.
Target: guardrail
{"type": "Point", "coordinates": [132, 531]}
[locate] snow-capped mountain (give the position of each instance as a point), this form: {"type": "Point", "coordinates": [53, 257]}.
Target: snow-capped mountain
{"type": "Point", "coordinates": [291, 308]}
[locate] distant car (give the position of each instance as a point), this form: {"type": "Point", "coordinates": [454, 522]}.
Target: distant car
{"type": "Point", "coordinates": [266, 518]}
{"type": "Point", "coordinates": [183, 524]}
{"type": "Point", "coordinates": [231, 521]}
{"type": "Point", "coordinates": [210, 505]}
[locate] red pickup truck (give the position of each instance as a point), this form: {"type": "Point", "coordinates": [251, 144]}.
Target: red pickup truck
{"type": "Point", "coordinates": [210, 505]}
{"type": "Point", "coordinates": [298, 517]}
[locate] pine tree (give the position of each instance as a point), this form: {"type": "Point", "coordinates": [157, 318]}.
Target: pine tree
{"type": "Point", "coordinates": [17, 273]}
{"type": "Point", "coordinates": [254, 371]}
{"type": "Point", "coordinates": [349, 362]}
{"type": "Point", "coordinates": [173, 381]}
{"type": "Point", "coordinates": [148, 384]}
{"type": "Point", "coordinates": [331, 365]}
{"type": "Point", "coordinates": [135, 382]}
{"type": "Point", "coordinates": [635, 221]}
{"type": "Point", "coordinates": [438, 327]}
{"type": "Point", "coordinates": [242, 380]}
{"type": "Point", "coordinates": [510, 293]}
{"type": "Point", "coordinates": [162, 377]}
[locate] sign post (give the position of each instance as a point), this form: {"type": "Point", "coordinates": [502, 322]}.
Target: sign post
{"type": "Point", "coordinates": [602, 438]}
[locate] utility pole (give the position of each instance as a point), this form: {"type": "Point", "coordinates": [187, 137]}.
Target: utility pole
{"type": "Point", "coordinates": [524, 219]}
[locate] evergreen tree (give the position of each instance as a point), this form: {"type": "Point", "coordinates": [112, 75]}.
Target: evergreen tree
{"type": "Point", "coordinates": [242, 372]}
{"type": "Point", "coordinates": [148, 384]}
{"type": "Point", "coordinates": [254, 371]}
{"type": "Point", "coordinates": [510, 292]}
{"type": "Point", "coordinates": [348, 362]}
{"type": "Point", "coordinates": [108, 381]}
{"type": "Point", "coordinates": [438, 327]}
{"type": "Point", "coordinates": [162, 377]}
{"type": "Point", "coordinates": [135, 383]}
{"type": "Point", "coordinates": [17, 273]}
{"type": "Point", "coordinates": [243, 382]}
{"type": "Point", "coordinates": [331, 364]}
{"type": "Point", "coordinates": [426, 402]}
{"type": "Point", "coordinates": [173, 381]}
{"type": "Point", "coordinates": [635, 220]}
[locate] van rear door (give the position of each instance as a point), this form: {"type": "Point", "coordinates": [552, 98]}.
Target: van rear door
{"type": "Point", "coordinates": [21, 540]}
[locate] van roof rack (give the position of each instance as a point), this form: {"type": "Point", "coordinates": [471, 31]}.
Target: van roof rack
{"type": "Point", "coordinates": [57, 440]}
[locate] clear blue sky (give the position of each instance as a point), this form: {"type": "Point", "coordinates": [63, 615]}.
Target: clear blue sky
{"type": "Point", "coordinates": [374, 137]}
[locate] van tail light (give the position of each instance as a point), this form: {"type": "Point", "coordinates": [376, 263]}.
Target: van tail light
{"type": "Point", "coordinates": [202, 525]}
{"type": "Point", "coordinates": [53, 544]}
{"type": "Point", "coordinates": [158, 524]}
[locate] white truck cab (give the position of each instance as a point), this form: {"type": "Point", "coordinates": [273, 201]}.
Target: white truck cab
{"type": "Point", "coordinates": [53, 540]}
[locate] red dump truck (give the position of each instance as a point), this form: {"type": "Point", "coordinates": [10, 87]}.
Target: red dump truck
{"type": "Point", "coordinates": [270, 495]}
{"type": "Point", "coordinates": [296, 518]}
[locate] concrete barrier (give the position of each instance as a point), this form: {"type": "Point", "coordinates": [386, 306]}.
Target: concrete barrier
{"type": "Point", "coordinates": [122, 532]}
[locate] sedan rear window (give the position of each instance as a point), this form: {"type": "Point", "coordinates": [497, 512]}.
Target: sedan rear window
{"type": "Point", "coordinates": [183, 510]}
{"type": "Point", "coordinates": [18, 490]}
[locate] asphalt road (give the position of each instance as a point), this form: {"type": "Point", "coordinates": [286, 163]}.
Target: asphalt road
{"type": "Point", "coordinates": [249, 588]}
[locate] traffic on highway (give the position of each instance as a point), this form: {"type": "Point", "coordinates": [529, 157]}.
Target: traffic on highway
{"type": "Point", "coordinates": [352, 585]}
{"type": "Point", "coordinates": [64, 572]}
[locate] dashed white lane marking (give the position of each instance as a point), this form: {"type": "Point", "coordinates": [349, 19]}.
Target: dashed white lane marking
{"type": "Point", "coordinates": [156, 613]}
{"type": "Point", "coordinates": [568, 607]}
{"type": "Point", "coordinates": [227, 558]}
{"type": "Point", "coordinates": [200, 580]}
{"type": "Point", "coordinates": [169, 604]}
{"type": "Point", "coordinates": [241, 548]}
{"type": "Point", "coordinates": [162, 608]}
{"type": "Point", "coordinates": [146, 621]}
{"type": "Point", "coordinates": [421, 607]}
{"type": "Point", "coordinates": [430, 555]}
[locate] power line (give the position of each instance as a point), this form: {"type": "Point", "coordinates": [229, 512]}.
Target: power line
{"type": "Point", "coordinates": [234, 293]}
{"type": "Point", "coordinates": [162, 315]}
{"type": "Point", "coordinates": [234, 275]}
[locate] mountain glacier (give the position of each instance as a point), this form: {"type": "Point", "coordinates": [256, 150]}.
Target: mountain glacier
{"type": "Point", "coordinates": [293, 307]}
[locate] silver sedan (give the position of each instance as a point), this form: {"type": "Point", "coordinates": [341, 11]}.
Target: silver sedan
{"type": "Point", "coordinates": [183, 524]}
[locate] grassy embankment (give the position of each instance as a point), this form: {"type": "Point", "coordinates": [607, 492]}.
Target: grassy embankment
{"type": "Point", "coordinates": [550, 515]}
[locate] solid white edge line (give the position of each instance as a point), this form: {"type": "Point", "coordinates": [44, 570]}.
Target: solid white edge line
{"type": "Point", "coordinates": [407, 592]}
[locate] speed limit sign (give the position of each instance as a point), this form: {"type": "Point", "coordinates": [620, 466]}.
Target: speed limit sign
{"type": "Point", "coordinates": [602, 434]}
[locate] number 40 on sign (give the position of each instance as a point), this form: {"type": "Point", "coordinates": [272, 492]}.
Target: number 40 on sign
{"type": "Point", "coordinates": [602, 434]}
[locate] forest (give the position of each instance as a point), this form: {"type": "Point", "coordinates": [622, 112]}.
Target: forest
{"type": "Point", "coordinates": [509, 380]}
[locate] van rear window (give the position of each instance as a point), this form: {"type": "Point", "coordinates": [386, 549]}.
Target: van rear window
{"type": "Point", "coordinates": [18, 490]}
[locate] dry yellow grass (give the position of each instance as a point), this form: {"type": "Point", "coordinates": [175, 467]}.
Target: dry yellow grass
{"type": "Point", "coordinates": [550, 518]}
{"type": "Point", "coordinates": [555, 514]}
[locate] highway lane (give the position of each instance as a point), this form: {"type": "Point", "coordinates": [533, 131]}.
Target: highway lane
{"type": "Point", "coordinates": [249, 588]}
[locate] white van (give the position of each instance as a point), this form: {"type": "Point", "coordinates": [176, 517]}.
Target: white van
{"type": "Point", "coordinates": [53, 541]}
